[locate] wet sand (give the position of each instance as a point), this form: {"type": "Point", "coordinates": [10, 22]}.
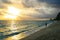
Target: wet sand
{"type": "Point", "coordinates": [49, 33]}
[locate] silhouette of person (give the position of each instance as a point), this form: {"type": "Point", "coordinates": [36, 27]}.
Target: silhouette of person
{"type": "Point", "coordinates": [46, 24]}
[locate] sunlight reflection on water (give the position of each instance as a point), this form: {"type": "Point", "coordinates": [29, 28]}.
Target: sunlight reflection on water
{"type": "Point", "coordinates": [16, 30]}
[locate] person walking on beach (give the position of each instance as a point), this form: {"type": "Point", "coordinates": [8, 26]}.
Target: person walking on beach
{"type": "Point", "coordinates": [46, 24]}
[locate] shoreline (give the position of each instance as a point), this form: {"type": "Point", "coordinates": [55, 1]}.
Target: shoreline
{"type": "Point", "coordinates": [32, 31]}
{"type": "Point", "coordinates": [41, 32]}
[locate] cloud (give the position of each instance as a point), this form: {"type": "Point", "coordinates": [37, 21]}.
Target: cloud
{"type": "Point", "coordinates": [35, 8]}
{"type": "Point", "coordinates": [33, 3]}
{"type": "Point", "coordinates": [53, 3]}
{"type": "Point", "coordinates": [47, 12]}
{"type": "Point", "coordinates": [43, 8]}
{"type": "Point", "coordinates": [29, 3]}
{"type": "Point", "coordinates": [5, 1]}
{"type": "Point", "coordinates": [3, 6]}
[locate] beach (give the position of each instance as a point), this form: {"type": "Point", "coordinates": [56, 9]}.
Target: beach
{"type": "Point", "coordinates": [52, 32]}
{"type": "Point", "coordinates": [18, 30]}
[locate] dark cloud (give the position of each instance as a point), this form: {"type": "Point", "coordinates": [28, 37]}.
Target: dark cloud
{"type": "Point", "coordinates": [33, 3]}
{"type": "Point", "coordinates": [43, 8]}
{"type": "Point", "coordinates": [48, 13]}
{"type": "Point", "coordinates": [50, 1]}
{"type": "Point", "coordinates": [6, 1]}
{"type": "Point", "coordinates": [53, 3]}
{"type": "Point", "coordinates": [2, 2]}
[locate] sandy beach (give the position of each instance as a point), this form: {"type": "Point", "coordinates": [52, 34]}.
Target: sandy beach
{"type": "Point", "coordinates": [49, 33]}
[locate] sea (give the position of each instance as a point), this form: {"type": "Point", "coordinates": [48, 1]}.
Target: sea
{"type": "Point", "coordinates": [18, 29]}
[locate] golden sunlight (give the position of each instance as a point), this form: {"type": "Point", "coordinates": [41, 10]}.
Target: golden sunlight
{"type": "Point", "coordinates": [12, 12]}
{"type": "Point", "coordinates": [10, 16]}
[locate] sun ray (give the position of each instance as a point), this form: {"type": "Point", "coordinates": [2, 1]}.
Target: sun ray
{"type": "Point", "coordinates": [12, 12]}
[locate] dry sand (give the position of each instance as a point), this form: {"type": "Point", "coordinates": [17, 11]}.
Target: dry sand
{"type": "Point", "coordinates": [50, 33]}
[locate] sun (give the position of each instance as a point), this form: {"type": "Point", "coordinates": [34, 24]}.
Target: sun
{"type": "Point", "coordinates": [12, 12]}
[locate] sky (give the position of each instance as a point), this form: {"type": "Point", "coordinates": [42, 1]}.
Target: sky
{"type": "Point", "coordinates": [32, 9]}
